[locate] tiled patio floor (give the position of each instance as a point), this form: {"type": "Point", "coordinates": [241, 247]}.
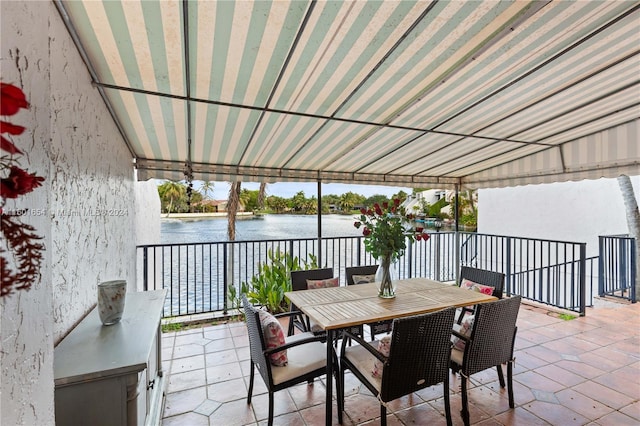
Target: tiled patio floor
{"type": "Point", "coordinates": [585, 371]}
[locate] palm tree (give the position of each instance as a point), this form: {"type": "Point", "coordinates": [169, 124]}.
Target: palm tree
{"type": "Point", "coordinates": [233, 203]}
{"type": "Point", "coordinates": [262, 192]}
{"type": "Point", "coordinates": [633, 218]}
{"type": "Point", "coordinates": [207, 186]}
{"type": "Point", "coordinates": [171, 191]}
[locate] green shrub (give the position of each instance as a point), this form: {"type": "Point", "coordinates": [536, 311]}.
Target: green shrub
{"type": "Point", "coordinates": [273, 280]}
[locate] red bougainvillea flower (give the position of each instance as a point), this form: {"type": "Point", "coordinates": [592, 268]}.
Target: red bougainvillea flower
{"type": "Point", "coordinates": [7, 145]}
{"type": "Point", "coordinates": [18, 182]}
{"type": "Point", "coordinates": [10, 128]}
{"type": "Point", "coordinates": [11, 99]}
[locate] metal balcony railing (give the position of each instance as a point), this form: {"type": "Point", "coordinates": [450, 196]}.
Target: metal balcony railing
{"type": "Point", "coordinates": [198, 275]}
{"type": "Point", "coordinates": [617, 266]}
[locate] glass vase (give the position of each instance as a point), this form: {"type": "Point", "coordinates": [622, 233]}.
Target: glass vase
{"type": "Point", "coordinates": [386, 278]}
{"type": "Point", "coordinates": [111, 297]}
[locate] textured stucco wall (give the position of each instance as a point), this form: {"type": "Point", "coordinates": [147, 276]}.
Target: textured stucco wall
{"type": "Point", "coordinates": [88, 200]}
{"type": "Point", "coordinates": [92, 197]}
{"type": "Point", "coordinates": [26, 327]}
{"type": "Point", "coordinates": [568, 211]}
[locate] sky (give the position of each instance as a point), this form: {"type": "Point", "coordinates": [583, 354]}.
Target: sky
{"type": "Point", "coordinates": [289, 189]}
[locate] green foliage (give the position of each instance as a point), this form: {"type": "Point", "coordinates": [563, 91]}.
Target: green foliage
{"type": "Point", "coordinates": [377, 198]}
{"type": "Point", "coordinates": [249, 199]}
{"type": "Point", "coordinates": [434, 210]}
{"type": "Point", "coordinates": [566, 317]}
{"type": "Point", "coordinates": [277, 204]}
{"type": "Point", "coordinates": [273, 280]}
{"type": "Point", "coordinates": [173, 197]}
{"type": "Point", "coordinates": [171, 326]}
{"type": "Point", "coordinates": [386, 230]}
{"type": "Point", "coordinates": [348, 200]}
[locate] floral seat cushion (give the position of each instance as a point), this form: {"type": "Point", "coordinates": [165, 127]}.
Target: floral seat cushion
{"type": "Point", "coordinates": [326, 283]}
{"type": "Point", "coordinates": [384, 345]}
{"type": "Point", "coordinates": [364, 279]}
{"type": "Point", "coordinates": [465, 330]}
{"type": "Point", "coordinates": [470, 285]}
{"type": "Point", "coordinates": [273, 337]}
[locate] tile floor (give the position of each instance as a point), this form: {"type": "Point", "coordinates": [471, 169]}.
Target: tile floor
{"type": "Point", "coordinates": [585, 371]}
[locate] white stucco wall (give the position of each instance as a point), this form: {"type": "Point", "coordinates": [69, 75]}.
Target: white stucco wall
{"type": "Point", "coordinates": [568, 211]}
{"type": "Point", "coordinates": [88, 198]}
{"type": "Point", "coordinates": [147, 223]}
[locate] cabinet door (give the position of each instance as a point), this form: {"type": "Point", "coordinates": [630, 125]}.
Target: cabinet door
{"type": "Point", "coordinates": [97, 403]}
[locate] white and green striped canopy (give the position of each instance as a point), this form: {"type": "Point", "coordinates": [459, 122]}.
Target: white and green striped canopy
{"type": "Point", "coordinates": [407, 93]}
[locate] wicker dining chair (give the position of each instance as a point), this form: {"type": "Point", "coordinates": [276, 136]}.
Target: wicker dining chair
{"type": "Point", "coordinates": [299, 282]}
{"type": "Point", "coordinates": [378, 327]}
{"type": "Point", "coordinates": [419, 351]}
{"type": "Point", "coordinates": [489, 344]}
{"type": "Point", "coordinates": [306, 353]}
{"type": "Point", "coordinates": [482, 277]}
{"type": "Point", "coordinates": [301, 321]}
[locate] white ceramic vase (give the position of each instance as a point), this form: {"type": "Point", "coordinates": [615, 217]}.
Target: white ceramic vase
{"type": "Point", "coordinates": [111, 297]}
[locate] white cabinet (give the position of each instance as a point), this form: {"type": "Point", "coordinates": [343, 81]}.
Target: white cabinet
{"type": "Point", "coordinates": [112, 375]}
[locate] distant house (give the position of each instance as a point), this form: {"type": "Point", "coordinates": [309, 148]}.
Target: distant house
{"type": "Point", "coordinates": [415, 202]}
{"type": "Point", "coordinates": [212, 206]}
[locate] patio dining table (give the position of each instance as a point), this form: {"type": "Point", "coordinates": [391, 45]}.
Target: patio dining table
{"type": "Point", "coordinates": [339, 307]}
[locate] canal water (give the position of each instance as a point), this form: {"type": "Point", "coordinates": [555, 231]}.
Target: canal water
{"type": "Point", "coordinates": [266, 227]}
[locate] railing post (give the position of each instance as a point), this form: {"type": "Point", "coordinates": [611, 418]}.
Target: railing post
{"type": "Point", "coordinates": [622, 249]}
{"type": "Point", "coordinates": [145, 269]}
{"type": "Point", "coordinates": [410, 257]}
{"type": "Point", "coordinates": [508, 270]}
{"type": "Point", "coordinates": [634, 270]}
{"type": "Point", "coordinates": [437, 259]}
{"type": "Point", "coordinates": [583, 279]}
{"type": "Point", "coordinates": [601, 266]}
{"type": "Point", "coordinates": [225, 275]}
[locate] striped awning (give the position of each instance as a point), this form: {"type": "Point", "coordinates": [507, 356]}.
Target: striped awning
{"type": "Point", "coordinates": [406, 93]}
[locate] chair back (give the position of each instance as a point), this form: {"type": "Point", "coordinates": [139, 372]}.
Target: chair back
{"type": "Point", "coordinates": [299, 278]}
{"type": "Point", "coordinates": [484, 277]}
{"type": "Point", "coordinates": [419, 353]}
{"type": "Point", "coordinates": [493, 335]}
{"type": "Point", "coordinates": [359, 270]}
{"type": "Point", "coordinates": [256, 340]}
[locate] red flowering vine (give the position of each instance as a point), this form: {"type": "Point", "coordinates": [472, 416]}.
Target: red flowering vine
{"type": "Point", "coordinates": [21, 240]}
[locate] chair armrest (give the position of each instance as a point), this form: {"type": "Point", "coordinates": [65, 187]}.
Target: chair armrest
{"type": "Point", "coordinates": [363, 343]}
{"type": "Point", "coordinates": [460, 335]}
{"type": "Point", "coordinates": [292, 344]}
{"type": "Point", "coordinates": [288, 314]}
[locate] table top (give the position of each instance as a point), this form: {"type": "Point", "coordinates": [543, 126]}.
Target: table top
{"type": "Point", "coordinates": [339, 307]}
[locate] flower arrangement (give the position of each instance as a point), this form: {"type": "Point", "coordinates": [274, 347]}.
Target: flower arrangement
{"type": "Point", "coordinates": [386, 230]}
{"type": "Point", "coordinates": [20, 238]}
